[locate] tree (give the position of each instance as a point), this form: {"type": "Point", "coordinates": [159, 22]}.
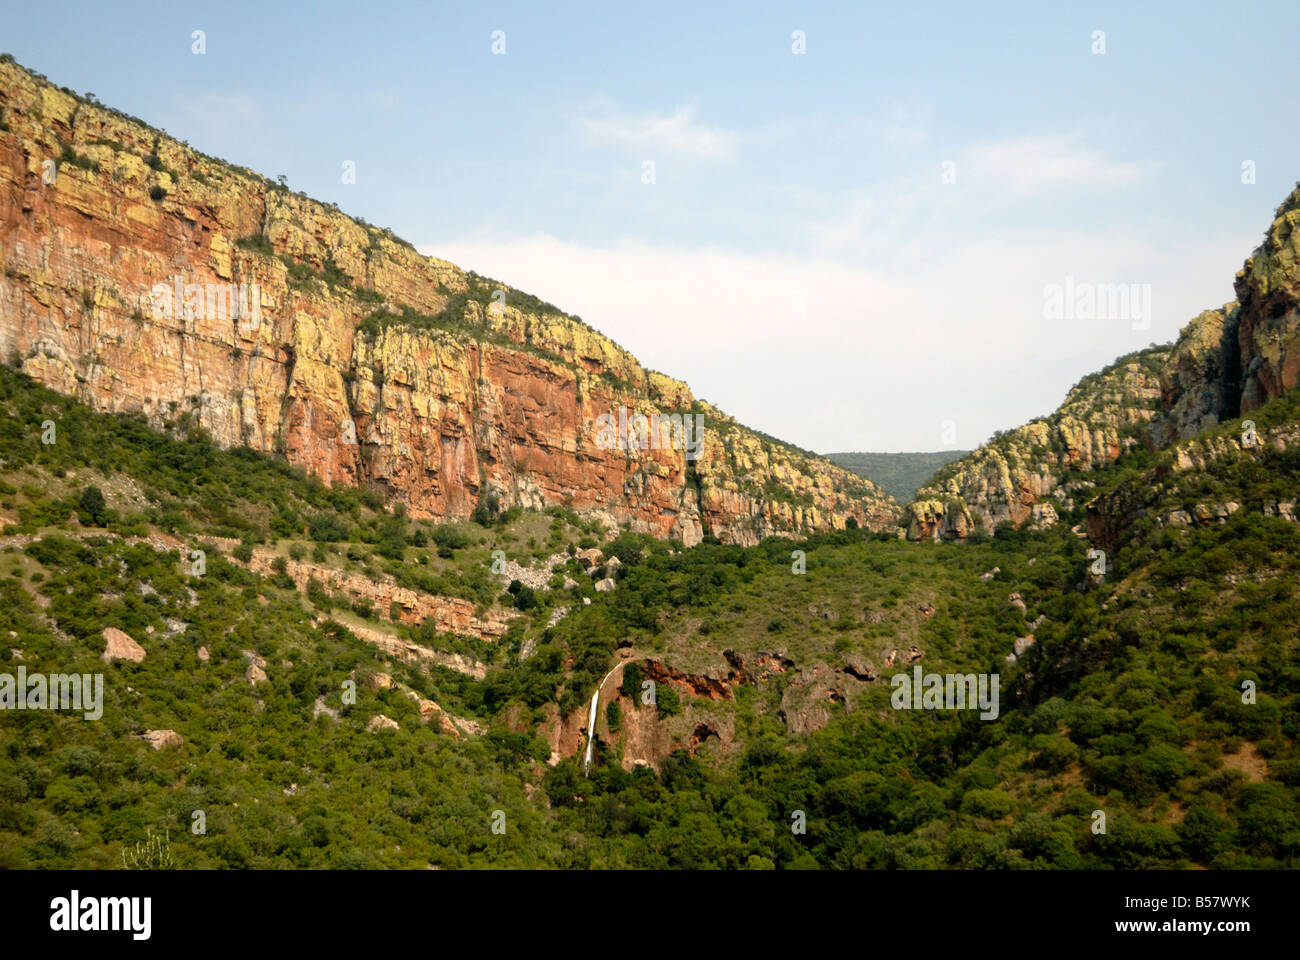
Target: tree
{"type": "Point", "coordinates": [92, 504]}
{"type": "Point", "coordinates": [392, 538]}
{"type": "Point", "coordinates": [525, 598]}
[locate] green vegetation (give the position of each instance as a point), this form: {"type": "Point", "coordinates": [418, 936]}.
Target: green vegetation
{"type": "Point", "coordinates": [70, 157]}
{"type": "Point", "coordinates": [1163, 694]}
{"type": "Point", "coordinates": [1129, 701]}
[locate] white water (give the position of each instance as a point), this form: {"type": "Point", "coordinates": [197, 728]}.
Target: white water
{"type": "Point", "coordinates": [591, 733]}
{"type": "Point", "coordinates": [591, 724]}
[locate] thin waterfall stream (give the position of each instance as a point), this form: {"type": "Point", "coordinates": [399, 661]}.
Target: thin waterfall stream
{"type": "Point", "coordinates": [591, 723]}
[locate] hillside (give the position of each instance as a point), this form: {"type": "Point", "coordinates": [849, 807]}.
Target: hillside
{"type": "Point", "coordinates": [899, 474]}
{"type": "Point", "coordinates": [1121, 693]}
{"type": "Point", "coordinates": [126, 257]}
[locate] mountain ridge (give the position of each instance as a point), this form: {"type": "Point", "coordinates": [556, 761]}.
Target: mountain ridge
{"type": "Point", "coordinates": [369, 363]}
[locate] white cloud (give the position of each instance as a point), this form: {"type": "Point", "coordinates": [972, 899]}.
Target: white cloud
{"type": "Point", "coordinates": [915, 214]}
{"type": "Point", "coordinates": [899, 303]}
{"type": "Point", "coordinates": [677, 133]}
{"type": "Point", "coordinates": [1029, 164]}
{"type": "Point", "coordinates": [874, 361]}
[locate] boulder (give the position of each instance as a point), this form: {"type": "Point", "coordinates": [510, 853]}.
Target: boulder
{"type": "Point", "coordinates": [381, 722]}
{"type": "Point", "coordinates": [119, 646]}
{"type": "Point", "coordinates": [158, 739]}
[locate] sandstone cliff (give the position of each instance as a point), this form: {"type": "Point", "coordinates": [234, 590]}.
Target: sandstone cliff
{"type": "Point", "coordinates": [353, 355]}
{"type": "Point", "coordinates": [1268, 289]}
{"type": "Point", "coordinates": [1226, 363]}
{"type": "Point", "coordinates": [1031, 474]}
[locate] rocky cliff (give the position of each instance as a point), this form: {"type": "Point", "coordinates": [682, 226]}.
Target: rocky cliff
{"type": "Point", "coordinates": [143, 276]}
{"type": "Point", "coordinates": [1268, 327]}
{"type": "Point", "coordinates": [1226, 363]}
{"type": "Point", "coordinates": [1033, 473]}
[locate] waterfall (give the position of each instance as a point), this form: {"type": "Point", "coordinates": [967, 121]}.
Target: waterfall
{"type": "Point", "coordinates": [591, 733]}
{"type": "Point", "coordinates": [591, 723]}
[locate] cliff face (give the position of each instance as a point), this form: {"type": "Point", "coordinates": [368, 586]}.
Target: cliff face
{"type": "Point", "coordinates": [1226, 363]}
{"type": "Point", "coordinates": [1029, 474]}
{"type": "Point", "coordinates": [1268, 289]}
{"type": "Point", "coordinates": [353, 355]}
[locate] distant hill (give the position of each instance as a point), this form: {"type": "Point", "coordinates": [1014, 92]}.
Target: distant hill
{"type": "Point", "coordinates": [898, 474]}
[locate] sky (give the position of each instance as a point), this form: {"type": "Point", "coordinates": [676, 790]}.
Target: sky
{"type": "Point", "coordinates": [848, 225]}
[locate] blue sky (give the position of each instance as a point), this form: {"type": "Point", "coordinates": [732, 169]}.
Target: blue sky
{"type": "Point", "coordinates": [798, 258]}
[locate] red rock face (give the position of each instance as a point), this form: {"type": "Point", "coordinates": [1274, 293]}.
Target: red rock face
{"type": "Point", "coordinates": [434, 413]}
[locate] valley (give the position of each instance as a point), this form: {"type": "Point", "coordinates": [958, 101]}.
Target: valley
{"type": "Point", "coordinates": [369, 578]}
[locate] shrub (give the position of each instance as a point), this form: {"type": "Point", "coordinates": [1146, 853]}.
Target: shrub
{"type": "Point", "coordinates": [486, 510]}
{"type": "Point", "coordinates": [450, 536]}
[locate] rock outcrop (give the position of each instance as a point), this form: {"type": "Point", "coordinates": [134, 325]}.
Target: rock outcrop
{"type": "Point", "coordinates": [1268, 330]}
{"type": "Point", "coordinates": [160, 739]}
{"type": "Point", "coordinates": [1196, 387]}
{"type": "Point", "coordinates": [454, 615]}
{"type": "Point", "coordinates": [142, 276]}
{"type": "Point", "coordinates": [1159, 493]}
{"type": "Point", "coordinates": [1226, 363]}
{"type": "Point", "coordinates": [1026, 475]}
{"type": "Point", "coordinates": [256, 672]}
